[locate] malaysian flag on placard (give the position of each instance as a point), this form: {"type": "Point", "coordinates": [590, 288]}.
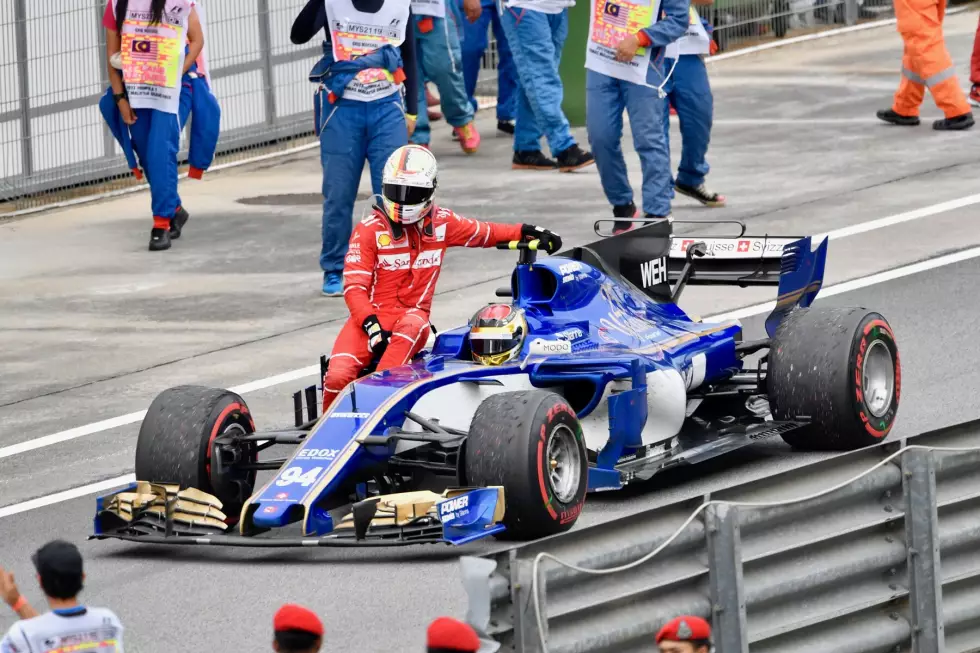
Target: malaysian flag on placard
{"type": "Point", "coordinates": [615, 14]}
{"type": "Point", "coordinates": [144, 50]}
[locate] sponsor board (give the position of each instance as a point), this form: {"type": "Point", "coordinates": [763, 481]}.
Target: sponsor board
{"type": "Point", "coordinates": [733, 248]}
{"type": "Point", "coordinates": [541, 347]}
{"type": "Point", "coordinates": [570, 334]}
{"type": "Point", "coordinates": [318, 454]}
{"type": "Point", "coordinates": [454, 508]}
{"type": "Point", "coordinates": [653, 272]}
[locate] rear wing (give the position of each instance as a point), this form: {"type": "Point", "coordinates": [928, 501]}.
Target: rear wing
{"type": "Point", "coordinates": [662, 264]}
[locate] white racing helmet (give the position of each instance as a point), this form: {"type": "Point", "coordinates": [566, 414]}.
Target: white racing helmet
{"type": "Point", "coordinates": [408, 184]}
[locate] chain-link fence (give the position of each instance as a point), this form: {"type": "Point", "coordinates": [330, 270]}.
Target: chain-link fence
{"type": "Point", "coordinates": [54, 145]}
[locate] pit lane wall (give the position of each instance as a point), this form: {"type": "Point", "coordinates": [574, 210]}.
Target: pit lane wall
{"type": "Point", "coordinates": [872, 551]}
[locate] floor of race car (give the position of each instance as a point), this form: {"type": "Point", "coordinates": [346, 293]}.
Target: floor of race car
{"type": "Point", "coordinates": [93, 326]}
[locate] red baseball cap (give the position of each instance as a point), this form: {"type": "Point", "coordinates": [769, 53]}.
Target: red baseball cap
{"type": "Point", "coordinates": [448, 634]}
{"type": "Point", "coordinates": [686, 628]}
{"type": "Point", "coordinates": [296, 617]}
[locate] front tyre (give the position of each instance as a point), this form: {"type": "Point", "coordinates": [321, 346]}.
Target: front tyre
{"type": "Point", "coordinates": [530, 442]}
{"type": "Point", "coordinates": [177, 444]}
{"type": "Point", "coordinates": [838, 369]}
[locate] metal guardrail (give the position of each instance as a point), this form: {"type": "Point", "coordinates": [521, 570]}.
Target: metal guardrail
{"type": "Point", "coordinates": [872, 551]}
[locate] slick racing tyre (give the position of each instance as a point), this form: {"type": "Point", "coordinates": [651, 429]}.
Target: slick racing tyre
{"type": "Point", "coordinates": [530, 442]}
{"type": "Point", "coordinates": [839, 370]}
{"type": "Point", "coordinates": [177, 445]}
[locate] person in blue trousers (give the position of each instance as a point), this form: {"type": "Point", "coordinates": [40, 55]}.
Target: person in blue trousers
{"type": "Point", "coordinates": [359, 112]}
{"type": "Point", "coordinates": [149, 99]}
{"type": "Point", "coordinates": [536, 32]}
{"type": "Point", "coordinates": [689, 91]}
{"type": "Point", "coordinates": [626, 72]}
{"type": "Point", "coordinates": [441, 62]}
{"type": "Point", "coordinates": [474, 44]}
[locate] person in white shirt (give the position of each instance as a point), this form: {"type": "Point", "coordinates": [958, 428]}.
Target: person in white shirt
{"type": "Point", "coordinates": [70, 625]}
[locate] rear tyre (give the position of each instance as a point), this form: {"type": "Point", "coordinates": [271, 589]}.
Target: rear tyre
{"type": "Point", "coordinates": [176, 444]}
{"type": "Point", "coordinates": [530, 442]}
{"type": "Point", "coordinates": [839, 368]}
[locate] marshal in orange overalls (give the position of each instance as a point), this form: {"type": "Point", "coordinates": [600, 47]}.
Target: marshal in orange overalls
{"type": "Point", "coordinates": [926, 63]}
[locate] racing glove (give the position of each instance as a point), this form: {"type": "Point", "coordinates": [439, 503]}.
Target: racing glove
{"type": "Point", "coordinates": [377, 337]}
{"type": "Point", "coordinates": [549, 239]}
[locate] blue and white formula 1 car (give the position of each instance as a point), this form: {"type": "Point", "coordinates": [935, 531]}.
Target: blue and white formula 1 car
{"type": "Point", "coordinates": [614, 383]}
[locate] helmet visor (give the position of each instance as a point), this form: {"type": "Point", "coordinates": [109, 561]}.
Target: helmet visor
{"type": "Point", "coordinates": [493, 347]}
{"type": "Point", "coordinates": [401, 194]}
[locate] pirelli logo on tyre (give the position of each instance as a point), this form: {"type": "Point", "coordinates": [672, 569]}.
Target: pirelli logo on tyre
{"type": "Point", "coordinates": [733, 248]}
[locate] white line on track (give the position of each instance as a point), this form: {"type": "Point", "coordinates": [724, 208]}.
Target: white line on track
{"type": "Point", "coordinates": [748, 311]}
{"type": "Point", "coordinates": [132, 418]}
{"type": "Point", "coordinates": [293, 375]}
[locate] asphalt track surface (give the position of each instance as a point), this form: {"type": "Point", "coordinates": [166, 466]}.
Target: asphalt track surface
{"type": "Point", "coordinates": [92, 327]}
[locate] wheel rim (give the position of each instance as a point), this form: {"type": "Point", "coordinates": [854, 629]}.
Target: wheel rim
{"type": "Point", "coordinates": [228, 474]}
{"type": "Point", "coordinates": [564, 463]}
{"type": "Point", "coordinates": [878, 376]}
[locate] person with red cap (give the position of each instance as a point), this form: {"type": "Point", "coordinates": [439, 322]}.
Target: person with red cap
{"type": "Point", "coordinates": [448, 635]}
{"type": "Point", "coordinates": [296, 630]}
{"type": "Point", "coordinates": [685, 634]}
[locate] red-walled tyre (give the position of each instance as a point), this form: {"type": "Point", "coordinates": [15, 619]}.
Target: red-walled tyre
{"type": "Point", "coordinates": [176, 444]}
{"type": "Point", "coordinates": [530, 442]}
{"type": "Point", "coordinates": [839, 369]}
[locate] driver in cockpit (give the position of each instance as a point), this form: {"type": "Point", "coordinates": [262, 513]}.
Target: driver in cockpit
{"type": "Point", "coordinates": [392, 265]}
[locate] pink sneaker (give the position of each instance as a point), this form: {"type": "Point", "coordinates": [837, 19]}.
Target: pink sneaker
{"type": "Point", "coordinates": [469, 138]}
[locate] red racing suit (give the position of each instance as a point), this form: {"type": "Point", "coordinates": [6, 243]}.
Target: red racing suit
{"type": "Point", "coordinates": [391, 272]}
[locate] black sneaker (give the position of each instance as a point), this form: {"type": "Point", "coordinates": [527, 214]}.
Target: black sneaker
{"type": "Point", "coordinates": [701, 194]}
{"type": "Point", "coordinates": [532, 160]}
{"type": "Point", "coordinates": [177, 223]}
{"type": "Point", "coordinates": [624, 211]}
{"type": "Point", "coordinates": [505, 126]}
{"type": "Point", "coordinates": [898, 119]}
{"type": "Point", "coordinates": [159, 239]}
{"type": "Point", "coordinates": [957, 122]}
{"type": "Point", "coordinates": [574, 158]}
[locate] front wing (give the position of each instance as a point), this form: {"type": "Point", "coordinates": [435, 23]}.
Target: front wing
{"type": "Point", "coordinates": [155, 513]}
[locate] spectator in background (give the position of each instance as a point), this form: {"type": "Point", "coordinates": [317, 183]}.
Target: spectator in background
{"type": "Point", "coordinates": [926, 63]}
{"type": "Point", "coordinates": [440, 61]}
{"type": "Point", "coordinates": [296, 630]}
{"type": "Point", "coordinates": [685, 634]}
{"type": "Point", "coordinates": [61, 575]}
{"type": "Point", "coordinates": [536, 32]}
{"type": "Point", "coordinates": [474, 44]}
{"type": "Point", "coordinates": [689, 92]}
{"type": "Point", "coordinates": [448, 635]}
{"type": "Point", "coordinates": [622, 73]}
{"type": "Point", "coordinates": [358, 111]}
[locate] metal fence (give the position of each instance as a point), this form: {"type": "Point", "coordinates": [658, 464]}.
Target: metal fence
{"type": "Point", "coordinates": [738, 23]}
{"type": "Point", "coordinates": [54, 144]}
{"type": "Point", "coordinates": [55, 147]}
{"type": "Point", "coordinates": [882, 554]}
